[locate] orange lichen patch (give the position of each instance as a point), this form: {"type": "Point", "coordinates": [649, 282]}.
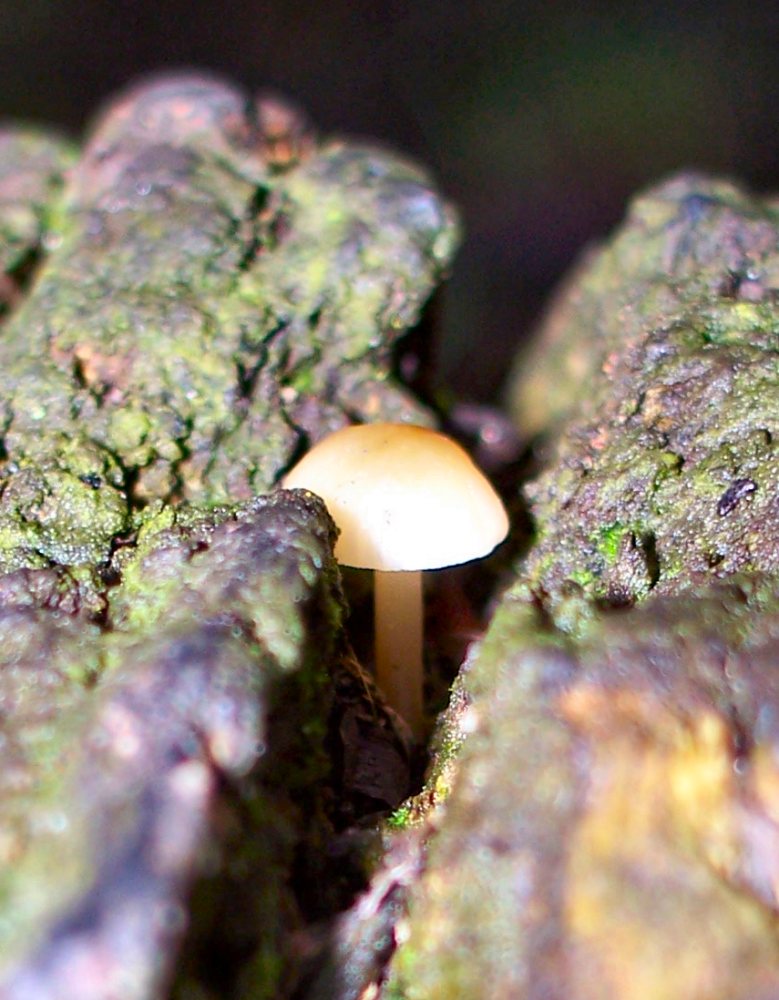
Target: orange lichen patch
{"type": "Point", "coordinates": [98, 370]}
{"type": "Point", "coordinates": [611, 362]}
{"type": "Point", "coordinates": [682, 771]}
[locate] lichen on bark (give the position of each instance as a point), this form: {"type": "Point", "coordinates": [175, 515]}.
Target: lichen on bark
{"type": "Point", "coordinates": [201, 684]}
{"type": "Point", "coordinates": [600, 817]}
{"type": "Point", "coordinates": [201, 313]}
{"type": "Point", "coordinates": [665, 471]}
{"type": "Point", "coordinates": [191, 300]}
{"type": "Point", "coordinates": [611, 829]}
{"type": "Point", "coordinates": [32, 168]}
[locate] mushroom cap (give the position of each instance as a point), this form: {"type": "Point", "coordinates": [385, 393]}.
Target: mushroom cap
{"type": "Point", "coordinates": [403, 497]}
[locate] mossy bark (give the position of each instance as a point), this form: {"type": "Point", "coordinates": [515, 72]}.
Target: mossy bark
{"type": "Point", "coordinates": [601, 816]}
{"type": "Point", "coordinates": [662, 473]}
{"type": "Point", "coordinates": [191, 298]}
{"type": "Point", "coordinates": [610, 823]}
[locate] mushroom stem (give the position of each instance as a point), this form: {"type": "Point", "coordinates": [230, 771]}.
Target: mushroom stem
{"type": "Point", "coordinates": [398, 614]}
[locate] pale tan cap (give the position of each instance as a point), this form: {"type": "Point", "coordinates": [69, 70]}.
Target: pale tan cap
{"type": "Point", "coordinates": [403, 497]}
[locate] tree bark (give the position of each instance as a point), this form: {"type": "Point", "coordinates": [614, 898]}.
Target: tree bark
{"type": "Point", "coordinates": [203, 290]}
{"type": "Point", "coordinates": [601, 819]}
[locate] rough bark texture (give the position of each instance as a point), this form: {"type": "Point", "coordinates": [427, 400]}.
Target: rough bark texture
{"type": "Point", "coordinates": [32, 164]}
{"type": "Point", "coordinates": [613, 827]}
{"type": "Point", "coordinates": [663, 351]}
{"type": "Point", "coordinates": [187, 748]}
{"type": "Point", "coordinates": [602, 816]}
{"type": "Point", "coordinates": [213, 691]}
{"type": "Point", "coordinates": [201, 314]}
{"type": "Point", "coordinates": [202, 290]}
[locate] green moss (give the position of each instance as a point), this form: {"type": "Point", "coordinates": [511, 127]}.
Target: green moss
{"type": "Point", "coordinates": [681, 379]}
{"type": "Point", "coordinates": [400, 818]}
{"type": "Point", "coordinates": [145, 397]}
{"type": "Point", "coordinates": [64, 507]}
{"type": "Point", "coordinates": [394, 990]}
{"type": "Point", "coordinates": [303, 379]}
{"type": "Point", "coordinates": [32, 167]}
{"type": "Point", "coordinates": [584, 578]}
{"type": "Point", "coordinates": [609, 540]}
{"type": "Point", "coordinates": [129, 428]}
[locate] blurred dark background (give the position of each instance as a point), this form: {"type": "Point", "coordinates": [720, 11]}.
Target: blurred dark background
{"type": "Point", "coordinates": [539, 119]}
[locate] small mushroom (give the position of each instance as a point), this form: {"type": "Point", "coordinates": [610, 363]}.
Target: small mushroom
{"type": "Point", "coordinates": [405, 499]}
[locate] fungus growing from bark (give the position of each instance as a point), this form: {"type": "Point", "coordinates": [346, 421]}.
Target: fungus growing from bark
{"type": "Point", "coordinates": [405, 499]}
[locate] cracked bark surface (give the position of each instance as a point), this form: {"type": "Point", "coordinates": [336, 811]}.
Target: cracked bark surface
{"type": "Point", "coordinates": [602, 814]}
{"type": "Point", "coordinates": [202, 313]}
{"type": "Point", "coordinates": [189, 299]}
{"type": "Point", "coordinates": [663, 355]}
